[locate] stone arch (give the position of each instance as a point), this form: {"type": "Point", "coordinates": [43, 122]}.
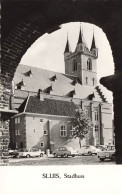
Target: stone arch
{"type": "Point", "coordinates": [25, 21]}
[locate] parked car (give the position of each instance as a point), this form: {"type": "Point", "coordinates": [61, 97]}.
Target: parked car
{"type": "Point", "coordinates": [65, 151]}
{"type": "Point", "coordinates": [108, 153]}
{"type": "Point", "coordinates": [99, 148]}
{"type": "Point", "coordinates": [88, 150]}
{"type": "Point", "coordinates": [33, 152]}
{"type": "Point", "coordinates": [13, 153]}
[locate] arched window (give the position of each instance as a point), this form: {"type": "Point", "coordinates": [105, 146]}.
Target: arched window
{"type": "Point", "coordinates": [93, 81]}
{"type": "Point", "coordinates": [96, 116]}
{"type": "Point", "coordinates": [71, 131]}
{"type": "Point", "coordinates": [96, 128]}
{"type": "Point", "coordinates": [63, 131]}
{"type": "Point", "coordinates": [74, 65]}
{"type": "Point", "coordinates": [89, 64]}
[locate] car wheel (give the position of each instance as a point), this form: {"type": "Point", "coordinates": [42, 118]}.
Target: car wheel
{"type": "Point", "coordinates": [41, 155]}
{"type": "Point", "coordinates": [90, 153]}
{"type": "Point", "coordinates": [113, 158]}
{"type": "Point", "coordinates": [65, 156]}
{"type": "Point", "coordinates": [55, 155]}
{"type": "Point", "coordinates": [28, 156]}
{"type": "Point", "coordinates": [73, 155]}
{"type": "Point", "coordinates": [102, 159]}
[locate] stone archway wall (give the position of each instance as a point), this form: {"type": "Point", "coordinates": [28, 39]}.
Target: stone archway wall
{"type": "Point", "coordinates": [25, 21]}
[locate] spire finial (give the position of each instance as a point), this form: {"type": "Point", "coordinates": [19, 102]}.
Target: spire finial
{"type": "Point", "coordinates": [80, 40]}
{"type": "Point", "coordinates": [67, 48]}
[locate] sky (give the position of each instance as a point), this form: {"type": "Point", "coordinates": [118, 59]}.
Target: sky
{"type": "Point", "coordinates": [47, 51]}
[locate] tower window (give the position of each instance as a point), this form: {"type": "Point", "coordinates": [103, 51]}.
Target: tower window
{"type": "Point", "coordinates": [96, 128]}
{"type": "Point", "coordinates": [42, 144]}
{"type": "Point", "coordinates": [74, 65]}
{"type": "Point", "coordinates": [86, 80]}
{"type": "Point", "coordinates": [89, 64]}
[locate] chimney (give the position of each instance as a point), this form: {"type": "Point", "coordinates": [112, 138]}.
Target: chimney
{"type": "Point", "coordinates": [40, 95]}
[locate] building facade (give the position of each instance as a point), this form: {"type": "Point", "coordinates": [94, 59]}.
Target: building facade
{"type": "Point", "coordinates": [46, 102]}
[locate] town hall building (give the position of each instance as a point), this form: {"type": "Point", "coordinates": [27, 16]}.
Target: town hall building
{"type": "Point", "coordinates": [47, 101]}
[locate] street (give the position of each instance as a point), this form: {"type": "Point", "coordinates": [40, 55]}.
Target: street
{"type": "Point", "coordinates": [77, 160]}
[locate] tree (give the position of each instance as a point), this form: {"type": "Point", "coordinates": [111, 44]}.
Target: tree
{"type": "Point", "coordinates": [81, 124]}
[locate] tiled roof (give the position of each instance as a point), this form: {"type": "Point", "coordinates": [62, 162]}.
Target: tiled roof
{"type": "Point", "coordinates": [50, 107]}
{"type": "Point", "coordinates": [62, 86]}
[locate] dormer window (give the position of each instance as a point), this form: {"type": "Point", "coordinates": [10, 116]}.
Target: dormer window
{"type": "Point", "coordinates": [49, 89]}
{"type": "Point", "coordinates": [72, 93]}
{"type": "Point", "coordinates": [28, 73]}
{"type": "Point", "coordinates": [20, 85]}
{"type": "Point", "coordinates": [54, 78]}
{"type": "Point", "coordinates": [89, 64]}
{"type": "Point", "coordinates": [75, 81]}
{"type": "Point", "coordinates": [74, 65]}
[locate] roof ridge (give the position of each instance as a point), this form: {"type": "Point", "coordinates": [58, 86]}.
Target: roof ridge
{"type": "Point", "coordinates": [41, 69]}
{"type": "Point", "coordinates": [26, 102]}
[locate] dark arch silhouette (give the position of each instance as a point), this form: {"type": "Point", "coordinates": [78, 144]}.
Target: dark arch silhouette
{"type": "Point", "coordinates": [24, 21]}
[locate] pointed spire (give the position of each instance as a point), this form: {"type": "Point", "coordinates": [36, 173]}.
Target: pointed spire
{"type": "Point", "coordinates": [67, 50]}
{"type": "Point", "coordinates": [80, 40]}
{"type": "Point", "coordinates": [93, 43]}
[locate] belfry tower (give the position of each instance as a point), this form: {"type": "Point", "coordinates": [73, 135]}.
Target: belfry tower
{"type": "Point", "coordinates": [82, 62]}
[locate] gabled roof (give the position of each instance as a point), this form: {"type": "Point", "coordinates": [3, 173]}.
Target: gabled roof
{"type": "Point", "coordinates": [41, 79]}
{"type": "Point", "coordinates": [50, 107]}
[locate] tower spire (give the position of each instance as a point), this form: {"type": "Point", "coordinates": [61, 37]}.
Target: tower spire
{"type": "Point", "coordinates": [93, 46]}
{"type": "Point", "coordinates": [67, 48]}
{"type": "Point", "coordinates": [80, 40]}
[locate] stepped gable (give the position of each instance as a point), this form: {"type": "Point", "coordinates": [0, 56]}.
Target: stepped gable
{"type": "Point", "coordinates": [50, 107]}
{"type": "Point", "coordinates": [101, 94]}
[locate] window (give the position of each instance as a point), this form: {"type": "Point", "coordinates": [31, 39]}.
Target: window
{"type": "Point", "coordinates": [34, 130]}
{"type": "Point", "coordinates": [45, 132]}
{"type": "Point", "coordinates": [19, 87]}
{"type": "Point", "coordinates": [17, 132]}
{"type": "Point", "coordinates": [41, 120]}
{"type": "Point", "coordinates": [96, 131]}
{"type": "Point", "coordinates": [93, 81]}
{"type": "Point", "coordinates": [89, 64]}
{"type": "Point", "coordinates": [96, 116]}
{"type": "Point", "coordinates": [86, 79]}
{"type": "Point", "coordinates": [21, 144]}
{"type": "Point", "coordinates": [87, 112]}
{"type": "Point", "coordinates": [63, 131]}
{"type": "Point", "coordinates": [42, 144]}
{"type": "Point", "coordinates": [96, 128]}
{"type": "Point", "coordinates": [17, 120]}
{"type": "Point", "coordinates": [74, 65]}
{"type": "Point", "coordinates": [16, 145]}
{"type": "Point", "coordinates": [71, 131]}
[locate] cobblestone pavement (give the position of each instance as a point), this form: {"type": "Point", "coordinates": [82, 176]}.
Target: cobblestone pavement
{"type": "Point", "coordinates": [77, 160]}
